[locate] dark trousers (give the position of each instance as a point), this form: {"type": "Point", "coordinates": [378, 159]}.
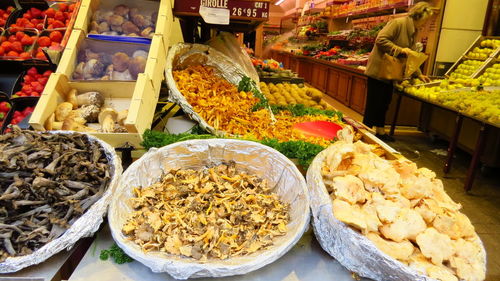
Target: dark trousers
{"type": "Point", "coordinates": [379, 95]}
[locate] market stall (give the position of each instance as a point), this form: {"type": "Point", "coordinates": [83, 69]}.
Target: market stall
{"type": "Point", "coordinates": [267, 181]}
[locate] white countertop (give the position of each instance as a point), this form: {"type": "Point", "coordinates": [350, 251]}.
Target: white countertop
{"type": "Point", "coordinates": [305, 261]}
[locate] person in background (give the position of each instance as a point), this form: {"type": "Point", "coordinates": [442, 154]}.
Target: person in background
{"type": "Point", "coordinates": [397, 37]}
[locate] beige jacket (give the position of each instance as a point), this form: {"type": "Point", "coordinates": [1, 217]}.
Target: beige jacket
{"type": "Point", "coordinates": [397, 34]}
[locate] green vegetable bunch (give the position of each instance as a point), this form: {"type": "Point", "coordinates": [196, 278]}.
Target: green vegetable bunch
{"type": "Point", "coordinates": [117, 254]}
{"type": "Point", "coordinates": [248, 85]}
{"type": "Point", "coordinates": [302, 110]}
{"type": "Point", "coordinates": [301, 150]}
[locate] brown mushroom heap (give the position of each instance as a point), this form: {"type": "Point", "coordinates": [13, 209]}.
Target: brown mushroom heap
{"type": "Point", "coordinates": [78, 110]}
{"type": "Point", "coordinates": [47, 181]}
{"type": "Point", "coordinates": [123, 21]}
{"type": "Point", "coordinates": [213, 213]}
{"type": "Point", "coordinates": [104, 66]}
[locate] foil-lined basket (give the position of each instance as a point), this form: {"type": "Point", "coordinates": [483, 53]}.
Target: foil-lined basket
{"type": "Point", "coordinates": [251, 157]}
{"type": "Point", "coordinates": [85, 226]}
{"type": "Point", "coordinates": [349, 247]}
{"type": "Point", "coordinates": [183, 55]}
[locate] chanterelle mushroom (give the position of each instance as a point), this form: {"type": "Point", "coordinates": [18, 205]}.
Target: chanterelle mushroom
{"type": "Point", "coordinates": [90, 98]}
{"type": "Point", "coordinates": [107, 119]}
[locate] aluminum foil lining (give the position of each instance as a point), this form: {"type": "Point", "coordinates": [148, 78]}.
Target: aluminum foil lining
{"type": "Point", "coordinates": [183, 55]}
{"type": "Point", "coordinates": [252, 157]}
{"type": "Point", "coordinates": [84, 226]}
{"type": "Point", "coordinates": [353, 250]}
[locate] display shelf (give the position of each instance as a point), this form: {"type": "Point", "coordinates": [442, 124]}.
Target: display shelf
{"type": "Point", "coordinates": [305, 261]}
{"type": "Point", "coordinates": [377, 11]}
{"type": "Point", "coordinates": [475, 44]}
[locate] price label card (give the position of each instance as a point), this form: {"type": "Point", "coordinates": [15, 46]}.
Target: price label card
{"type": "Point", "coordinates": [238, 9]}
{"type": "Point", "coordinates": [215, 15]}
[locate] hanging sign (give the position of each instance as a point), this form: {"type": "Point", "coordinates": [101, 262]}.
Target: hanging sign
{"type": "Point", "coordinates": [238, 9]}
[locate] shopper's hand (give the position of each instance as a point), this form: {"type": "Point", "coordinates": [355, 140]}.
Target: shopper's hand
{"type": "Point", "coordinates": [406, 51]}
{"type": "Point", "coordinates": [424, 78]}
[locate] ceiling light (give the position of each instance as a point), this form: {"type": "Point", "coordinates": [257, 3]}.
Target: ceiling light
{"type": "Point", "coordinates": [279, 2]}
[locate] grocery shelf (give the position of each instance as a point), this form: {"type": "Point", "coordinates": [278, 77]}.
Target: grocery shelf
{"type": "Point", "coordinates": [371, 12]}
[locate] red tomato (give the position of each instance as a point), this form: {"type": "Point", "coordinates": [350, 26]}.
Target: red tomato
{"type": "Point", "coordinates": [56, 36]}
{"type": "Point", "coordinates": [27, 41]}
{"type": "Point", "coordinates": [44, 41]}
{"type": "Point", "coordinates": [17, 47]}
{"type": "Point", "coordinates": [40, 56]}
{"type": "Point", "coordinates": [32, 71]}
{"type": "Point", "coordinates": [50, 12]}
{"type": "Point", "coordinates": [20, 35]}
{"type": "Point", "coordinates": [12, 54]}
{"type": "Point", "coordinates": [25, 56]}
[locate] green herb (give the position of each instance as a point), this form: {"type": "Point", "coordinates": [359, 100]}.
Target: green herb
{"type": "Point", "coordinates": [302, 110]}
{"type": "Point", "coordinates": [248, 85]}
{"type": "Point", "coordinates": [301, 150]}
{"type": "Point", "coordinates": [159, 139]}
{"type": "Point", "coordinates": [116, 253]}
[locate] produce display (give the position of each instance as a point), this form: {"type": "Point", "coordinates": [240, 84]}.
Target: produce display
{"type": "Point", "coordinates": [214, 213]}
{"type": "Point", "coordinates": [4, 15]}
{"type": "Point", "coordinates": [19, 115]}
{"type": "Point", "coordinates": [284, 94]}
{"type": "Point", "coordinates": [48, 181]}
{"type": "Point", "coordinates": [18, 44]}
{"type": "Point", "coordinates": [484, 50]}
{"type": "Point", "coordinates": [465, 70]}
{"type": "Point", "coordinates": [272, 69]}
{"type": "Point", "coordinates": [33, 83]}
{"type": "Point", "coordinates": [54, 17]}
{"type": "Point", "coordinates": [491, 76]}
{"type": "Point", "coordinates": [106, 66]}
{"type": "Point", "coordinates": [237, 112]}
{"type": "Point", "coordinates": [481, 104]}
{"type": "Point", "coordinates": [480, 53]}
{"type": "Point", "coordinates": [404, 211]}
{"type": "Point", "coordinates": [78, 111]}
{"type": "Point", "coordinates": [4, 109]}
{"type": "Point", "coordinates": [125, 21]}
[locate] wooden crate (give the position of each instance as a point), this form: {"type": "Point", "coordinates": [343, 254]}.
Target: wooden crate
{"type": "Point", "coordinates": [137, 95]}
{"type": "Point", "coordinates": [164, 20]}
{"type": "Point", "coordinates": [143, 93]}
{"type": "Point", "coordinates": [155, 65]}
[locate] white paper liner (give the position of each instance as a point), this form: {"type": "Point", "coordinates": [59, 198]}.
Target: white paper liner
{"type": "Point", "coordinates": [251, 157]}
{"type": "Point", "coordinates": [84, 226]}
{"type": "Point", "coordinates": [352, 249]}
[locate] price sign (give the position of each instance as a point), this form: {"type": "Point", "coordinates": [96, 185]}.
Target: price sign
{"type": "Point", "coordinates": [238, 9]}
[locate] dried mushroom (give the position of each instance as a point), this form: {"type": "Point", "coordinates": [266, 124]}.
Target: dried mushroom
{"type": "Point", "coordinates": [214, 213]}
{"type": "Point", "coordinates": [47, 182]}
{"type": "Point", "coordinates": [403, 210]}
